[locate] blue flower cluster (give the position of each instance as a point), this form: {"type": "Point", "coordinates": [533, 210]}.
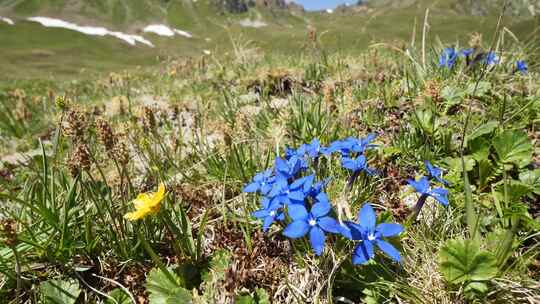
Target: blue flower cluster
{"type": "Point", "coordinates": [291, 194]}
{"type": "Point", "coordinates": [424, 187]}
{"type": "Point", "coordinates": [450, 55]}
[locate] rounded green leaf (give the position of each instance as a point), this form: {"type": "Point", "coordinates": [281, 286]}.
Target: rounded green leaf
{"type": "Point", "coordinates": [463, 261]}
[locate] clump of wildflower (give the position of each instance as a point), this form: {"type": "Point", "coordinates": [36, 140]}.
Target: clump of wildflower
{"type": "Point", "coordinates": [146, 204]}
{"type": "Point", "coordinates": [370, 235]}
{"type": "Point", "coordinates": [290, 190]}
{"type": "Point", "coordinates": [448, 57]}
{"type": "Point", "coordinates": [492, 58]}
{"type": "Point", "coordinates": [521, 66]}
{"type": "Point", "coordinates": [425, 189]}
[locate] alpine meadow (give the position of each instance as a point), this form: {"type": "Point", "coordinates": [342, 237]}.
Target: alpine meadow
{"type": "Point", "coordinates": [255, 152]}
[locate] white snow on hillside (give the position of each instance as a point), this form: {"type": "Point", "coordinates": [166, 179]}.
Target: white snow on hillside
{"type": "Point", "coordinates": [90, 30]}
{"type": "Point", "coordinates": [183, 33]}
{"type": "Point", "coordinates": [163, 30]}
{"type": "Point", "coordinates": [7, 20]}
{"type": "Point", "coordinates": [329, 11]}
{"type": "Point", "coordinates": [252, 23]}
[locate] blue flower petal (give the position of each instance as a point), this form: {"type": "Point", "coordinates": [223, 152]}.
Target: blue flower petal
{"type": "Point", "coordinates": [297, 212]}
{"type": "Point", "coordinates": [316, 239]}
{"type": "Point", "coordinates": [260, 213]}
{"type": "Point", "coordinates": [366, 217]}
{"type": "Point", "coordinates": [267, 222]}
{"type": "Point", "coordinates": [297, 196]}
{"type": "Point", "coordinates": [389, 250]}
{"type": "Point", "coordinates": [329, 224]}
{"type": "Point", "coordinates": [389, 229]}
{"type": "Point", "coordinates": [348, 163]}
{"type": "Point", "coordinates": [421, 186]}
{"type": "Point", "coordinates": [320, 209]}
{"type": "Point", "coordinates": [441, 195]}
{"type": "Point", "coordinates": [252, 187]}
{"type": "Point", "coordinates": [345, 230]}
{"type": "Point", "coordinates": [281, 165]}
{"type": "Point", "coordinates": [296, 229]}
{"type": "Point", "coordinates": [362, 253]}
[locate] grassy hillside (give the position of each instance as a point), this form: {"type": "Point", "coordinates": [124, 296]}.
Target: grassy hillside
{"type": "Point", "coordinates": [63, 54]}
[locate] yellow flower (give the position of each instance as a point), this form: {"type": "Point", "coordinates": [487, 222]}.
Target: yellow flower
{"type": "Point", "coordinates": [146, 204]}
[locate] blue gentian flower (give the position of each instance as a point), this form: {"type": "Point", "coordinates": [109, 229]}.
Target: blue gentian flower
{"type": "Point", "coordinates": [435, 172]}
{"type": "Point", "coordinates": [289, 168]}
{"type": "Point", "coordinates": [466, 52]}
{"type": "Point", "coordinates": [314, 148]}
{"type": "Point", "coordinates": [422, 186]}
{"type": "Point", "coordinates": [492, 58]}
{"type": "Point", "coordinates": [448, 57]}
{"type": "Point", "coordinates": [521, 66]}
{"type": "Point", "coordinates": [262, 182]}
{"type": "Point", "coordinates": [357, 164]}
{"type": "Point", "coordinates": [335, 146]}
{"type": "Point", "coordinates": [314, 223]}
{"type": "Point", "coordinates": [294, 193]}
{"type": "Point", "coordinates": [350, 145]}
{"type": "Point", "coordinates": [370, 236]}
{"type": "Point", "coordinates": [269, 213]}
{"type": "Point", "coordinates": [318, 187]}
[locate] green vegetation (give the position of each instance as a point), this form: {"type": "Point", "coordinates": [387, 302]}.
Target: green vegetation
{"type": "Point", "coordinates": [128, 185]}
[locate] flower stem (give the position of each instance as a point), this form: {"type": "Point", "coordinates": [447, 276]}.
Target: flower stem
{"type": "Point", "coordinates": [17, 271]}
{"type": "Point", "coordinates": [155, 258]}
{"type": "Point", "coordinates": [351, 181]}
{"type": "Point", "coordinates": [418, 207]}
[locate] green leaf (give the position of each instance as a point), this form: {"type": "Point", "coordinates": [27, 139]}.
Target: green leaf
{"type": "Point", "coordinates": [481, 90]}
{"type": "Point", "coordinates": [245, 299]}
{"type": "Point", "coordinates": [513, 147]}
{"type": "Point", "coordinates": [118, 296]}
{"type": "Point", "coordinates": [476, 287]}
{"type": "Point", "coordinates": [479, 148]}
{"type": "Point", "coordinates": [486, 171]}
{"type": "Point", "coordinates": [483, 129]}
{"type": "Point", "coordinates": [531, 178]}
{"type": "Point", "coordinates": [262, 296]}
{"type": "Point", "coordinates": [516, 190]}
{"type": "Point", "coordinates": [454, 164]}
{"type": "Point", "coordinates": [163, 291]}
{"type": "Point", "coordinates": [462, 261]}
{"type": "Point", "coordinates": [59, 291]}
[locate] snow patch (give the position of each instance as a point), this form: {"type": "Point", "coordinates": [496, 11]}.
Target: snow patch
{"type": "Point", "coordinates": [330, 11]}
{"type": "Point", "coordinates": [159, 29]}
{"type": "Point", "coordinates": [183, 33]}
{"type": "Point", "coordinates": [7, 20]}
{"type": "Point", "coordinates": [207, 52]}
{"type": "Point", "coordinates": [253, 23]}
{"type": "Point", "coordinates": [90, 30]}
{"type": "Point", "coordinates": [163, 30]}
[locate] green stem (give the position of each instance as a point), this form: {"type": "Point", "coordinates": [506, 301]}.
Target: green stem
{"type": "Point", "coordinates": [155, 258]}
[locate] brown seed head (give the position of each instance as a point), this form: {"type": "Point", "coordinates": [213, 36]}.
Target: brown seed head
{"type": "Point", "coordinates": [149, 119]}
{"type": "Point", "coordinates": [79, 160]}
{"type": "Point", "coordinates": [8, 232]}
{"type": "Point", "coordinates": [106, 135]}
{"type": "Point", "coordinates": [74, 125]}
